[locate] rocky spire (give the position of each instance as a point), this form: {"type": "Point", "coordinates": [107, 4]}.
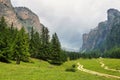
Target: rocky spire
{"type": "Point", "coordinates": [111, 14]}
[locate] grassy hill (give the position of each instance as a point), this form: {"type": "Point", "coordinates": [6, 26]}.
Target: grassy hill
{"type": "Point", "coordinates": [41, 70]}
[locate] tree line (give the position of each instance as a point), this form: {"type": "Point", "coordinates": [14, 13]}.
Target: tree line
{"type": "Point", "coordinates": [112, 53]}
{"type": "Point", "coordinates": [19, 45]}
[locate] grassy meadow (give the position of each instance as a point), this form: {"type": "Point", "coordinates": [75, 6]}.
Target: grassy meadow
{"type": "Point", "coordinates": [94, 64]}
{"type": "Point", "coordinates": [41, 70]}
{"type": "Point", "coordinates": [112, 63]}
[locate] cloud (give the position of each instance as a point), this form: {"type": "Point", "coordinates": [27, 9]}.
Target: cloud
{"type": "Point", "coordinates": [70, 18]}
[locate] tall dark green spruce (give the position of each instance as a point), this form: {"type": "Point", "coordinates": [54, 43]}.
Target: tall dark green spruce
{"type": "Point", "coordinates": [21, 51]}
{"type": "Point", "coordinates": [4, 41]}
{"type": "Point", "coordinates": [45, 44]}
{"type": "Point", "coordinates": [39, 44]}
{"type": "Point", "coordinates": [57, 56]}
{"type": "Point", "coordinates": [32, 43]}
{"type": "Point", "coordinates": [35, 44]}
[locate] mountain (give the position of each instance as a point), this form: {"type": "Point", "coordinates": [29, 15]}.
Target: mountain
{"type": "Point", "coordinates": [101, 37]}
{"type": "Point", "coordinates": [28, 18]}
{"type": "Point", "coordinates": [7, 10]}
{"type": "Point", "coordinates": [19, 16]}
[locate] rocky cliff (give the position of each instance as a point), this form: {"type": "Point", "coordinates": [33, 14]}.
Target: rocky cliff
{"type": "Point", "coordinates": [19, 16]}
{"type": "Point", "coordinates": [7, 10]}
{"type": "Point", "coordinates": [28, 18]}
{"type": "Point", "coordinates": [97, 38]}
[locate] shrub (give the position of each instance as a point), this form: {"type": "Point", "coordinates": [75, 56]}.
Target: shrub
{"type": "Point", "coordinates": [4, 59]}
{"type": "Point", "coordinates": [72, 69]}
{"type": "Point", "coordinates": [55, 62]}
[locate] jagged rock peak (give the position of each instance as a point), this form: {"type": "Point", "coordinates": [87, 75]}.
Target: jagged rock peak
{"type": "Point", "coordinates": [112, 13]}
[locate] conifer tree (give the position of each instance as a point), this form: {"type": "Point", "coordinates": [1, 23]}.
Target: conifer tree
{"type": "Point", "coordinates": [4, 39]}
{"type": "Point", "coordinates": [22, 46]}
{"type": "Point", "coordinates": [3, 23]}
{"type": "Point", "coordinates": [35, 44]}
{"type": "Point", "coordinates": [32, 42]}
{"type": "Point", "coordinates": [57, 55]}
{"type": "Point", "coordinates": [45, 45]}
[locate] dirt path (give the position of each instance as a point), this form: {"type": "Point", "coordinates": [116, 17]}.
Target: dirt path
{"type": "Point", "coordinates": [107, 68]}
{"type": "Point", "coordinates": [81, 68]}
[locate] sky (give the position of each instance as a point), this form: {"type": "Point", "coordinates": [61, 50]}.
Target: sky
{"type": "Point", "coordinates": [70, 18]}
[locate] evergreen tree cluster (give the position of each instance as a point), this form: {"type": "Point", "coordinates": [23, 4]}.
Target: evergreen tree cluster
{"type": "Point", "coordinates": [14, 44]}
{"type": "Point", "coordinates": [113, 53]}
{"type": "Point", "coordinates": [77, 55]}
{"type": "Point", "coordinates": [42, 47]}
{"type": "Point", "coordinates": [20, 46]}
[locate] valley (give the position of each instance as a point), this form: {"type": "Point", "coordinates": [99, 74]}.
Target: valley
{"type": "Point", "coordinates": [41, 70]}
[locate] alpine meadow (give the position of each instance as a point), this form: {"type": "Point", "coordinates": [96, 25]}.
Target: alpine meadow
{"type": "Point", "coordinates": [31, 51]}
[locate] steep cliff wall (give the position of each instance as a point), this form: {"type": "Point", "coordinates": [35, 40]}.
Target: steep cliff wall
{"type": "Point", "coordinates": [19, 16]}
{"type": "Point", "coordinates": [28, 18]}
{"type": "Point", "coordinates": [7, 10]}
{"type": "Point", "coordinates": [96, 38]}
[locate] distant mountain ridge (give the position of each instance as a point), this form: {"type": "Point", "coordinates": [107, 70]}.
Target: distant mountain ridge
{"type": "Point", "coordinates": [100, 38]}
{"type": "Point", "coordinates": [19, 16]}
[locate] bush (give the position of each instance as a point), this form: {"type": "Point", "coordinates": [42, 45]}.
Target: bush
{"type": "Point", "coordinates": [72, 69]}
{"type": "Point", "coordinates": [55, 62]}
{"type": "Point", "coordinates": [4, 59]}
{"type": "Point", "coordinates": [73, 66]}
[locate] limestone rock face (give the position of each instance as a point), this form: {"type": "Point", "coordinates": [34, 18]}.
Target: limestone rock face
{"type": "Point", "coordinates": [19, 17]}
{"type": "Point", "coordinates": [28, 18]}
{"type": "Point", "coordinates": [6, 3]}
{"type": "Point", "coordinates": [95, 39]}
{"type": "Point", "coordinates": [7, 10]}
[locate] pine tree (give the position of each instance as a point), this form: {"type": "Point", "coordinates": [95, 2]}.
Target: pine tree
{"type": "Point", "coordinates": [57, 55]}
{"type": "Point", "coordinates": [35, 44]}
{"type": "Point", "coordinates": [3, 24]}
{"type": "Point", "coordinates": [22, 46]}
{"type": "Point", "coordinates": [45, 36]}
{"type": "Point", "coordinates": [32, 42]}
{"type": "Point", "coordinates": [4, 39]}
{"type": "Point", "coordinates": [45, 45]}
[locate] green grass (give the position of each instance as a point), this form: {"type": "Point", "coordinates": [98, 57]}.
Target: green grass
{"type": "Point", "coordinates": [112, 63]}
{"type": "Point", "coordinates": [93, 64]}
{"type": "Point", "coordinates": [41, 70]}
